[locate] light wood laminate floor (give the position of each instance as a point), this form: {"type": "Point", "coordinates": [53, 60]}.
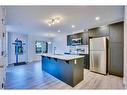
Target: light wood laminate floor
{"type": "Point", "coordinates": [31, 76]}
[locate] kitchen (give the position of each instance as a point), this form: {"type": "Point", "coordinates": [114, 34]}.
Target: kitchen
{"type": "Point", "coordinates": [94, 49]}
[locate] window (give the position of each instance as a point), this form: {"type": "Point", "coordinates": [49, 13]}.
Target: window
{"type": "Point", "coordinates": [41, 47]}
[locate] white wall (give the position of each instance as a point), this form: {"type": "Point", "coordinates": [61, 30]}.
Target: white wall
{"type": "Point", "coordinates": [32, 56]}
{"type": "Point", "coordinates": [60, 42]}
{"type": "Point", "coordinates": [11, 48]}
{"type": "Point", "coordinates": [125, 48]}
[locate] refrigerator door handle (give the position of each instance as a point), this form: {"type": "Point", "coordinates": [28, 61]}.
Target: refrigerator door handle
{"type": "Point", "coordinates": [92, 61]}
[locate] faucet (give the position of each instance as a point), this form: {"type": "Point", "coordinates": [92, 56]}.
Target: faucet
{"type": "Point", "coordinates": [70, 51]}
{"type": "Point", "coordinates": [54, 50]}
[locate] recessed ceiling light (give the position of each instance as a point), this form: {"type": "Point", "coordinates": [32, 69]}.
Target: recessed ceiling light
{"type": "Point", "coordinates": [73, 26]}
{"type": "Point", "coordinates": [97, 18]}
{"type": "Point", "coordinates": [59, 31]}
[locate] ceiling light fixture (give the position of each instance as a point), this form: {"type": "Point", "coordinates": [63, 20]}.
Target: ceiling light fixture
{"type": "Point", "coordinates": [97, 18]}
{"type": "Point", "coordinates": [73, 26]}
{"type": "Point", "coordinates": [53, 20]}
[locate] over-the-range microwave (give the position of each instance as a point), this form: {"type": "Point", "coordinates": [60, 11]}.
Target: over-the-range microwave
{"type": "Point", "coordinates": [77, 41]}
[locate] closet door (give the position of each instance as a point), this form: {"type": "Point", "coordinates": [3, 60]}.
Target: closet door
{"type": "Point", "coordinates": [116, 66]}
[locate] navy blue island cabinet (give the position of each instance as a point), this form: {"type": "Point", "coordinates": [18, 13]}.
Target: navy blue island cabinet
{"type": "Point", "coordinates": [70, 71]}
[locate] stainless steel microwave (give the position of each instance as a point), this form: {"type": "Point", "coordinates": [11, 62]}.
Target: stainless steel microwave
{"type": "Point", "coordinates": [77, 41]}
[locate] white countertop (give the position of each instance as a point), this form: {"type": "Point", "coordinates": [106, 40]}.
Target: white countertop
{"type": "Point", "coordinates": [63, 56]}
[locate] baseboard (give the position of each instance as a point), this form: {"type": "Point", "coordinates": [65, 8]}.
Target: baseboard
{"type": "Point", "coordinates": [20, 63]}
{"type": "Point", "coordinates": [34, 61]}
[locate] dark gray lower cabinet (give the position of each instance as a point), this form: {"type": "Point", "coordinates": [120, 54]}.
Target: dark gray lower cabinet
{"type": "Point", "coordinates": [116, 64]}
{"type": "Point", "coordinates": [86, 61]}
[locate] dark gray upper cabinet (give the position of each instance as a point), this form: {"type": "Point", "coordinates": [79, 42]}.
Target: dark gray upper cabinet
{"type": "Point", "coordinates": [99, 31]}
{"type": "Point", "coordinates": [116, 32]}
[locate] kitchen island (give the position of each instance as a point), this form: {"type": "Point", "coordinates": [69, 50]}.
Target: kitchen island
{"type": "Point", "coordinates": [68, 68]}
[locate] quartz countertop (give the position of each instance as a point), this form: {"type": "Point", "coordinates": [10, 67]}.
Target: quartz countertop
{"type": "Point", "coordinates": [63, 56]}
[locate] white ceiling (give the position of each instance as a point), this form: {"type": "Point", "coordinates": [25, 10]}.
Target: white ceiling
{"type": "Point", "coordinates": [30, 19]}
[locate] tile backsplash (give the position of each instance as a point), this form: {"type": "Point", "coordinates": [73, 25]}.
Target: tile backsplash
{"type": "Point", "coordinates": [81, 49]}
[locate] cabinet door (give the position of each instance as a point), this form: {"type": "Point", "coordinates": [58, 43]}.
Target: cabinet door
{"type": "Point", "coordinates": [99, 31]}
{"type": "Point", "coordinates": [116, 32]}
{"type": "Point", "coordinates": [92, 32]}
{"type": "Point", "coordinates": [66, 71]}
{"type": "Point", "coordinates": [69, 40]}
{"type": "Point", "coordinates": [116, 64]}
{"type": "Point", "coordinates": [103, 30]}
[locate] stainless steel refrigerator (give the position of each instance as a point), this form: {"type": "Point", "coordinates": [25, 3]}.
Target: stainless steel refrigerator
{"type": "Point", "coordinates": [98, 55]}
